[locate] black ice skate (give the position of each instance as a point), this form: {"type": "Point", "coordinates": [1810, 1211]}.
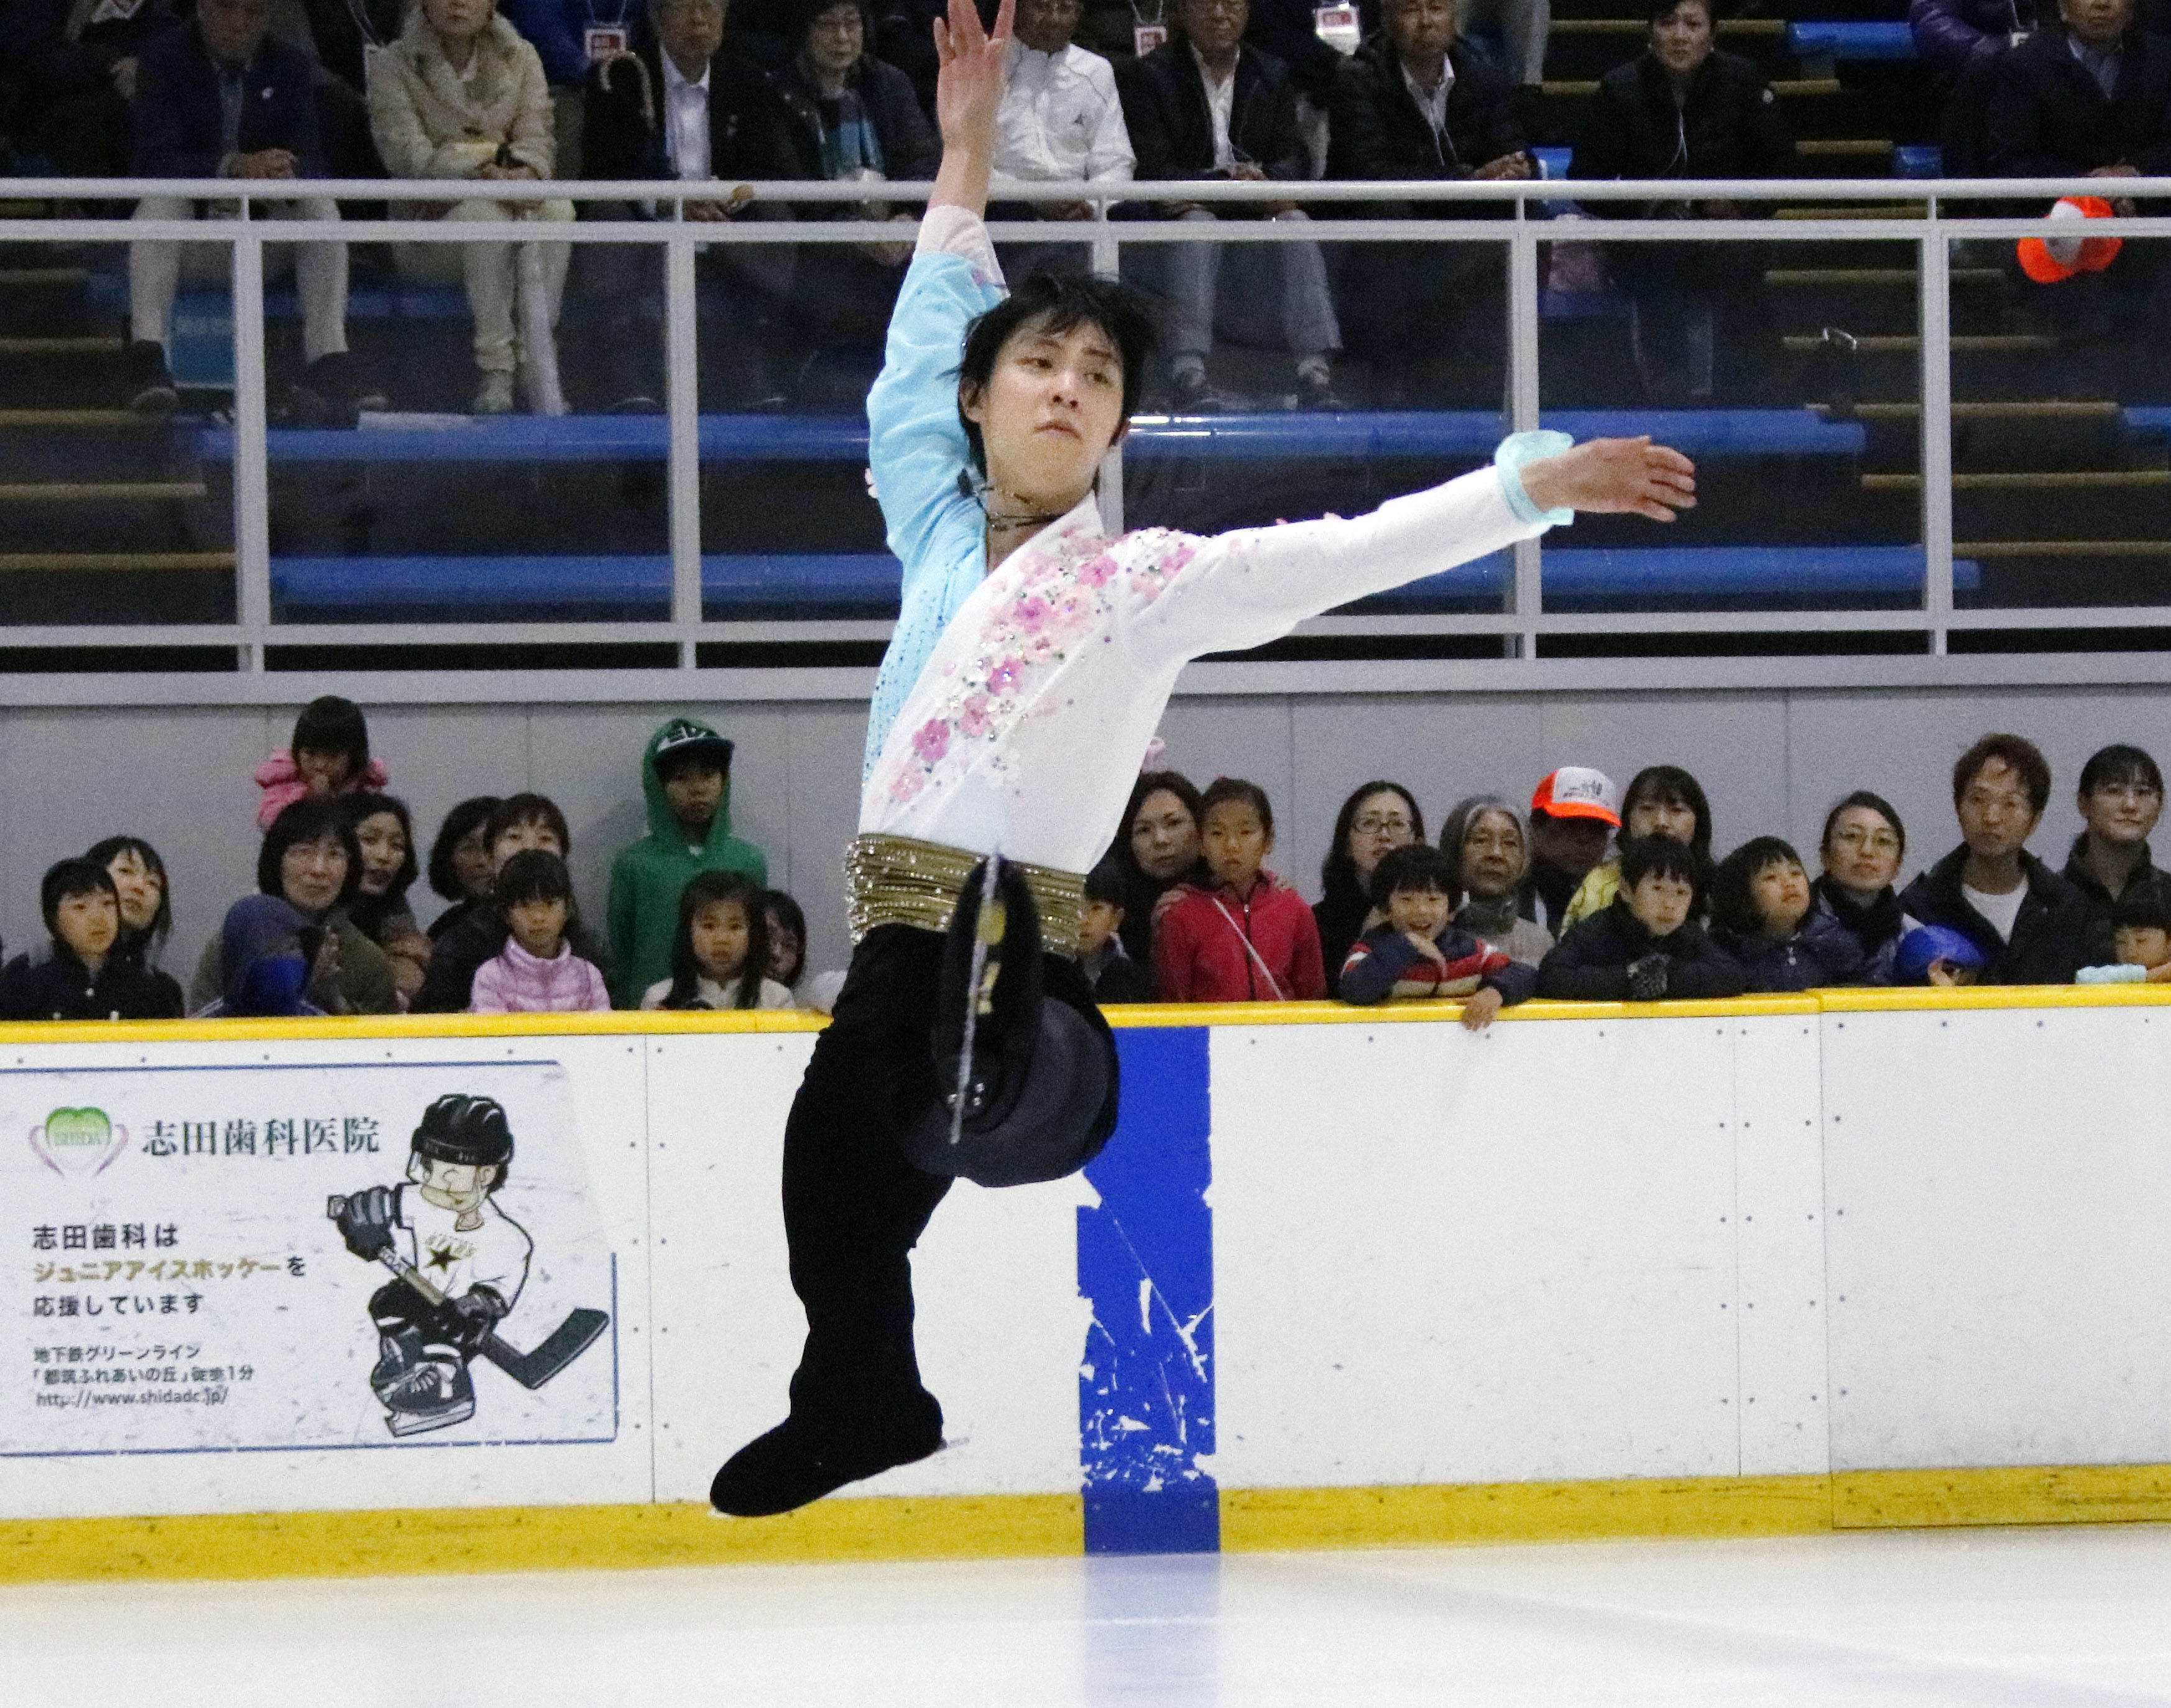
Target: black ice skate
{"type": "Point", "coordinates": [421, 1386]}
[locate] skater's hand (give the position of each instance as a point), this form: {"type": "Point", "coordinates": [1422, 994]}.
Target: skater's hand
{"type": "Point", "coordinates": [969, 86]}
{"type": "Point", "coordinates": [1617, 477]}
{"type": "Point", "coordinates": [1479, 1007]}
{"type": "Point", "coordinates": [366, 1220]}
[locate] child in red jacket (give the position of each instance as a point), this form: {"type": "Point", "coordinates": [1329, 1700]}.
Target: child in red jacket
{"type": "Point", "coordinates": [1247, 937]}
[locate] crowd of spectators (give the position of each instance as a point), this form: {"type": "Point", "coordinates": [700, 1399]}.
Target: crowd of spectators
{"type": "Point", "coordinates": [1588, 892]}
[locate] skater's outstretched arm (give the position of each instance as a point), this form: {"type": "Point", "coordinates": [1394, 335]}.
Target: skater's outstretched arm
{"type": "Point", "coordinates": [969, 93]}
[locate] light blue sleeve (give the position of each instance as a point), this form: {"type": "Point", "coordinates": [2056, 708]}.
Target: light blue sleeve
{"type": "Point", "coordinates": [1517, 449]}
{"type": "Point", "coordinates": [2117, 974]}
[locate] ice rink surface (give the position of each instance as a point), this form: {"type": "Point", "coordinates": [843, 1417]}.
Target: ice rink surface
{"type": "Point", "coordinates": [2061, 1617]}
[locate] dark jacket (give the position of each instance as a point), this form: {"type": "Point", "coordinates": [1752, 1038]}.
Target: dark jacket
{"type": "Point", "coordinates": [2099, 901]}
{"type": "Point", "coordinates": [1949, 35]}
{"type": "Point", "coordinates": [1591, 963]}
{"type": "Point", "coordinates": [1383, 962]}
{"type": "Point", "coordinates": [623, 134]}
{"type": "Point", "coordinates": [178, 119]}
{"type": "Point", "coordinates": [790, 135]}
{"type": "Point", "coordinates": [2050, 941]}
{"type": "Point", "coordinates": [1876, 929]}
{"type": "Point", "coordinates": [1171, 129]}
{"type": "Point", "coordinates": [1288, 30]}
{"type": "Point", "coordinates": [1377, 130]}
{"type": "Point", "coordinates": [449, 987]}
{"type": "Point", "coordinates": [50, 983]}
{"type": "Point", "coordinates": [344, 29]}
{"type": "Point", "coordinates": [1547, 894]}
{"type": "Point", "coordinates": [2047, 118]}
{"type": "Point", "coordinates": [1728, 126]}
{"type": "Point", "coordinates": [1821, 953]}
{"type": "Point", "coordinates": [1115, 977]}
{"type": "Point", "coordinates": [51, 65]}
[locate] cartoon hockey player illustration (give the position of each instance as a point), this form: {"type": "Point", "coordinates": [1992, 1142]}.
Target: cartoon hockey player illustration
{"type": "Point", "coordinates": [459, 1263]}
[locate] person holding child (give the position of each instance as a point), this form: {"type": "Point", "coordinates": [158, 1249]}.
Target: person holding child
{"type": "Point", "coordinates": [1487, 850]}
{"type": "Point", "coordinates": [327, 754]}
{"type": "Point", "coordinates": [2120, 798]}
{"type": "Point", "coordinates": [720, 953]}
{"type": "Point", "coordinates": [1114, 976]}
{"type": "Point", "coordinates": [522, 822]}
{"type": "Point", "coordinates": [1375, 820]}
{"type": "Point", "coordinates": [1863, 843]}
{"type": "Point", "coordinates": [1643, 945]}
{"type": "Point", "coordinates": [1243, 936]}
{"type": "Point", "coordinates": [80, 974]}
{"type": "Point", "coordinates": [1765, 915]}
{"type": "Point", "coordinates": [1421, 951]}
{"type": "Point", "coordinates": [1663, 800]}
{"type": "Point", "coordinates": [537, 971]}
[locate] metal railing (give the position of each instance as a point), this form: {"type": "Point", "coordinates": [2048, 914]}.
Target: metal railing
{"type": "Point", "coordinates": [1821, 212]}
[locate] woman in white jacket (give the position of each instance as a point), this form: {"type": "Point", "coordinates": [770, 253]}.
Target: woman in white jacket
{"type": "Point", "coordinates": [460, 95]}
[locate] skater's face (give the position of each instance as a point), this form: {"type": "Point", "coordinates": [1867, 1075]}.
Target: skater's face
{"type": "Point", "coordinates": [836, 39]}
{"type": "Point", "coordinates": [517, 839]}
{"type": "Point", "coordinates": [1660, 903]}
{"type": "Point", "coordinates": [1671, 817]}
{"type": "Point", "coordinates": [1048, 413]}
{"type": "Point", "coordinates": [538, 927]}
{"type": "Point", "coordinates": [2097, 23]}
{"type": "Point", "coordinates": [1863, 850]}
{"type": "Point", "coordinates": [1780, 892]}
{"type": "Point", "coordinates": [1422, 30]}
{"type": "Point", "coordinates": [88, 922]}
{"type": "Point", "coordinates": [1571, 844]}
{"type": "Point", "coordinates": [2142, 946]}
{"type": "Point", "coordinates": [1492, 857]}
{"type": "Point", "coordinates": [1423, 912]}
{"type": "Point", "coordinates": [2120, 814]}
{"type": "Point", "coordinates": [1097, 922]}
{"type": "Point", "coordinates": [456, 1185]}
{"type": "Point", "coordinates": [313, 875]}
{"type": "Point", "coordinates": [141, 886]}
{"type": "Point", "coordinates": [1046, 26]}
{"type": "Point", "coordinates": [694, 790]}
{"type": "Point", "coordinates": [472, 865]}
{"type": "Point", "coordinates": [1165, 836]}
{"type": "Point", "coordinates": [1997, 817]}
{"type": "Point", "coordinates": [1381, 824]}
{"type": "Point", "coordinates": [322, 773]}
{"type": "Point", "coordinates": [383, 841]}
{"type": "Point", "coordinates": [1236, 843]}
{"type": "Point", "coordinates": [720, 934]}
{"type": "Point", "coordinates": [1680, 41]}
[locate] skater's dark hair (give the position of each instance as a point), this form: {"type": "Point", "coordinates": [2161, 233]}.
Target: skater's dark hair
{"type": "Point", "coordinates": [1223, 789]}
{"type": "Point", "coordinates": [702, 890]}
{"type": "Point", "coordinates": [77, 877]}
{"type": "Point", "coordinates": [533, 874]}
{"type": "Point", "coordinates": [1417, 868]}
{"type": "Point", "coordinates": [777, 906]}
{"type": "Point", "coordinates": [1876, 804]}
{"type": "Point", "coordinates": [1670, 786]}
{"type": "Point", "coordinates": [1660, 857]}
{"type": "Point", "coordinates": [1055, 303]}
{"type": "Point", "coordinates": [331, 724]}
{"type": "Point", "coordinates": [516, 810]}
{"type": "Point", "coordinates": [311, 818]}
{"type": "Point", "coordinates": [1732, 904]}
{"type": "Point", "coordinates": [105, 853]}
{"type": "Point", "coordinates": [1338, 882]}
{"type": "Point", "coordinates": [461, 823]}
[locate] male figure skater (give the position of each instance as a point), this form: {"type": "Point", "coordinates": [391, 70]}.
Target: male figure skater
{"type": "Point", "coordinates": [1031, 662]}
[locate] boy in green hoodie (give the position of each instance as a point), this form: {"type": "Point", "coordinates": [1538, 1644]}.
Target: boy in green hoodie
{"type": "Point", "coordinates": [686, 774]}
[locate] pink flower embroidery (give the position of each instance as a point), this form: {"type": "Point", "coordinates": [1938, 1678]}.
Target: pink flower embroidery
{"type": "Point", "coordinates": [972, 718]}
{"type": "Point", "coordinates": [1030, 613]}
{"type": "Point", "coordinates": [908, 783]}
{"type": "Point", "coordinates": [1096, 571]}
{"type": "Point", "coordinates": [932, 741]}
{"type": "Point", "coordinates": [1007, 675]}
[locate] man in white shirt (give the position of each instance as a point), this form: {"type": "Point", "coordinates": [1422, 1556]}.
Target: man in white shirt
{"type": "Point", "coordinates": [1061, 119]}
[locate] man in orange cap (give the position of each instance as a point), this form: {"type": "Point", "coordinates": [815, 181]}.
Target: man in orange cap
{"type": "Point", "coordinates": [1573, 813]}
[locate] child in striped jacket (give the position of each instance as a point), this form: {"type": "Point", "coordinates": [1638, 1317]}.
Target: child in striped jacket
{"type": "Point", "coordinates": [1420, 951]}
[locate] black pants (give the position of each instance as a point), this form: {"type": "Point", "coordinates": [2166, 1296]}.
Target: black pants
{"type": "Point", "coordinates": [853, 1206]}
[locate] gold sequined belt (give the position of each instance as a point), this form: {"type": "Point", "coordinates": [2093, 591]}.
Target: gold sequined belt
{"type": "Point", "coordinates": [895, 880]}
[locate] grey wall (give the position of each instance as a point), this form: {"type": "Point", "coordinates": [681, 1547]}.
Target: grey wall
{"type": "Point", "coordinates": [1772, 761]}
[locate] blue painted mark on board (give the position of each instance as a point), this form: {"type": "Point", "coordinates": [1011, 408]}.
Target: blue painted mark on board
{"type": "Point", "coordinates": [1146, 1263]}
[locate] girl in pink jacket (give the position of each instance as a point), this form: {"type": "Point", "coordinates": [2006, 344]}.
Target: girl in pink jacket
{"type": "Point", "coordinates": [537, 971]}
{"type": "Point", "coordinates": [327, 754]}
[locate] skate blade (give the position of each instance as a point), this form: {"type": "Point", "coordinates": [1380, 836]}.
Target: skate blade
{"type": "Point", "coordinates": [407, 1423]}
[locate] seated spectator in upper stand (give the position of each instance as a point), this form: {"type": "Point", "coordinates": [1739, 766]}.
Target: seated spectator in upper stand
{"type": "Point", "coordinates": [78, 64]}
{"type": "Point", "coordinates": [2139, 942]}
{"type": "Point", "coordinates": [81, 974]}
{"type": "Point", "coordinates": [1156, 849]}
{"type": "Point", "coordinates": [686, 781]}
{"type": "Point", "coordinates": [147, 901]}
{"type": "Point", "coordinates": [719, 956]}
{"type": "Point", "coordinates": [681, 107]}
{"type": "Point", "coordinates": [572, 38]}
{"type": "Point", "coordinates": [1863, 846]}
{"type": "Point", "coordinates": [1936, 954]}
{"type": "Point", "coordinates": [537, 972]}
{"type": "Point", "coordinates": [218, 98]}
{"type": "Point", "coordinates": [2031, 926]}
{"type": "Point", "coordinates": [1950, 35]}
{"type": "Point", "coordinates": [1573, 815]}
{"type": "Point", "coordinates": [1663, 800]}
{"type": "Point", "coordinates": [1421, 951]}
{"type": "Point", "coordinates": [310, 860]}
{"type": "Point", "coordinates": [344, 30]}
{"type": "Point", "coordinates": [1243, 936]}
{"type": "Point", "coordinates": [459, 862]}
{"type": "Point", "coordinates": [1375, 820]}
{"type": "Point", "coordinates": [2122, 798]}
{"type": "Point", "coordinates": [1061, 118]}
{"type": "Point", "coordinates": [1114, 976]}
{"type": "Point", "coordinates": [1684, 109]}
{"type": "Point", "coordinates": [385, 834]}
{"type": "Point", "coordinates": [460, 96]}
{"type": "Point", "coordinates": [1206, 105]}
{"type": "Point", "coordinates": [1643, 945]}
{"type": "Point", "coordinates": [1416, 103]}
{"type": "Point", "coordinates": [521, 822]}
{"type": "Point", "coordinates": [1488, 857]}
{"type": "Point", "coordinates": [1765, 916]}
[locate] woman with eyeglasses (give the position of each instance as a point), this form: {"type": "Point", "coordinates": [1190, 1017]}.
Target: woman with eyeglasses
{"type": "Point", "coordinates": [1863, 843]}
{"type": "Point", "coordinates": [2122, 798]}
{"type": "Point", "coordinates": [1374, 822]}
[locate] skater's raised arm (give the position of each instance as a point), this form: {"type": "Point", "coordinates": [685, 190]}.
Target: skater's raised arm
{"type": "Point", "coordinates": [968, 95]}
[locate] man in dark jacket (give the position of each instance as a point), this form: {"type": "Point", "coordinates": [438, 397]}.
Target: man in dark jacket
{"type": "Point", "coordinates": [76, 66]}
{"type": "Point", "coordinates": [1205, 105]}
{"type": "Point", "coordinates": [2031, 923]}
{"type": "Point", "coordinates": [1682, 109]}
{"type": "Point", "coordinates": [1415, 103]}
{"type": "Point", "coordinates": [220, 99]}
{"type": "Point", "coordinates": [2091, 101]}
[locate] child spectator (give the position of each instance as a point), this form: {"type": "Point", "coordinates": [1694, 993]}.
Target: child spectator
{"type": "Point", "coordinates": [328, 754]}
{"type": "Point", "coordinates": [1243, 936]}
{"type": "Point", "coordinates": [1114, 976]}
{"type": "Point", "coordinates": [1488, 858]}
{"type": "Point", "coordinates": [718, 956]}
{"type": "Point", "coordinates": [537, 971]}
{"type": "Point", "coordinates": [521, 822]}
{"type": "Point", "coordinates": [1642, 945]}
{"type": "Point", "coordinates": [1863, 843]}
{"type": "Point", "coordinates": [1936, 954]}
{"type": "Point", "coordinates": [1157, 849]}
{"type": "Point", "coordinates": [787, 938]}
{"type": "Point", "coordinates": [1765, 916]}
{"type": "Point", "coordinates": [1663, 800]}
{"type": "Point", "coordinates": [273, 963]}
{"type": "Point", "coordinates": [459, 862]}
{"type": "Point", "coordinates": [1378, 818]}
{"type": "Point", "coordinates": [2140, 941]}
{"type": "Point", "coordinates": [686, 776]}
{"type": "Point", "coordinates": [1421, 951]}
{"type": "Point", "coordinates": [77, 975]}
{"type": "Point", "coordinates": [385, 835]}
{"type": "Point", "coordinates": [147, 902]}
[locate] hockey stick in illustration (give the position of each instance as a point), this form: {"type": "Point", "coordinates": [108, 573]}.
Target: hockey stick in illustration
{"type": "Point", "coordinates": [563, 1344]}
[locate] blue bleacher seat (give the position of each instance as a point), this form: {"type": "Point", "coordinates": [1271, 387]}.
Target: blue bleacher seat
{"type": "Point", "coordinates": [1836, 40]}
